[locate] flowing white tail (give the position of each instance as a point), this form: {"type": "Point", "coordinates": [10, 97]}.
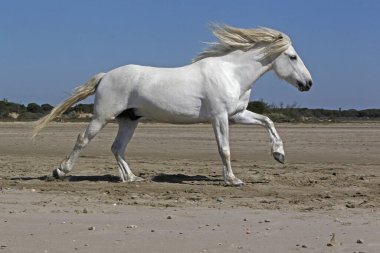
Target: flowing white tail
{"type": "Point", "coordinates": [79, 94]}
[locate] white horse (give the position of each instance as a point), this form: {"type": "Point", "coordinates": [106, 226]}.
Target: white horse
{"type": "Point", "coordinates": [214, 88]}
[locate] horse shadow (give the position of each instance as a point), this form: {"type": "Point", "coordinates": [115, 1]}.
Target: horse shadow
{"type": "Point", "coordinates": [72, 178]}
{"type": "Point", "coordinates": [160, 178]}
{"type": "Point", "coordinates": [181, 178]}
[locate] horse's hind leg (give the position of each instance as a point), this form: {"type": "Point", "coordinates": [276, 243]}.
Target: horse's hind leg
{"type": "Point", "coordinates": [83, 139]}
{"type": "Point", "coordinates": [127, 127]}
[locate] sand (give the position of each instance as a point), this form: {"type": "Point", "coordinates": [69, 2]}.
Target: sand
{"type": "Point", "coordinates": [329, 184]}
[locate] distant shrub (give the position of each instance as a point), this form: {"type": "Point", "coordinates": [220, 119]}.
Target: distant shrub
{"type": "Point", "coordinates": [7, 107]}
{"type": "Point", "coordinates": [34, 108]}
{"type": "Point", "coordinates": [258, 107]}
{"type": "Point", "coordinates": [28, 116]}
{"type": "Point", "coordinates": [279, 117]}
{"type": "Point", "coordinates": [46, 107]}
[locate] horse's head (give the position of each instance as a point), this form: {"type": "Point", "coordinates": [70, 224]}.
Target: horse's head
{"type": "Point", "coordinates": [268, 47]}
{"type": "Point", "coordinates": [289, 67]}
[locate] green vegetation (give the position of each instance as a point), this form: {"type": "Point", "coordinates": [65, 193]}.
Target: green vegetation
{"type": "Point", "coordinates": [10, 111]}
{"type": "Point", "coordinates": [294, 113]}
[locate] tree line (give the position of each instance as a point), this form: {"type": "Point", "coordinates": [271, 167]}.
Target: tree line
{"type": "Point", "coordinates": [10, 111]}
{"type": "Point", "coordinates": [295, 113]}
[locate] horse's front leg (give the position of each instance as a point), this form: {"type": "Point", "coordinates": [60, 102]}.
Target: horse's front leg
{"type": "Point", "coordinates": [248, 117]}
{"type": "Point", "coordinates": [220, 125]}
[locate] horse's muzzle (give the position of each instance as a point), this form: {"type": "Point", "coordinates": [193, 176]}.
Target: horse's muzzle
{"type": "Point", "coordinates": [304, 86]}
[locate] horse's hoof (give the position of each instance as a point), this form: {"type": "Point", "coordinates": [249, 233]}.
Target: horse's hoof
{"type": "Point", "coordinates": [234, 182]}
{"type": "Point", "coordinates": [137, 179]}
{"type": "Point", "coordinates": [133, 179]}
{"type": "Point", "coordinates": [58, 174]}
{"type": "Point", "coordinates": [279, 157]}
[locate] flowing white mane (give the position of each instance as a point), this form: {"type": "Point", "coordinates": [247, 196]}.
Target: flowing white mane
{"type": "Point", "coordinates": [232, 38]}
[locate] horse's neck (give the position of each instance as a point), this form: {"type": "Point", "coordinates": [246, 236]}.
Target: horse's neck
{"type": "Point", "coordinates": [246, 69]}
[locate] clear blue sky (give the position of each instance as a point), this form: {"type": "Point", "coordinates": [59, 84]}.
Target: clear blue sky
{"type": "Point", "coordinates": [48, 47]}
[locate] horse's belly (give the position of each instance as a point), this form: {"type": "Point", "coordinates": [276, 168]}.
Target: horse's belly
{"type": "Point", "coordinates": [180, 114]}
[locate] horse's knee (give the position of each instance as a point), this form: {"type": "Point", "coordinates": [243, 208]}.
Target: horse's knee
{"type": "Point", "coordinates": [268, 122]}
{"type": "Point", "coordinates": [225, 153]}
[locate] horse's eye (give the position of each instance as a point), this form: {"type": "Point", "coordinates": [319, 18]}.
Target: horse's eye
{"type": "Point", "coordinates": [293, 57]}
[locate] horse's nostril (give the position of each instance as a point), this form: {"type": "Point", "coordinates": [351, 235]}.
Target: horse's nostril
{"type": "Point", "coordinates": [310, 83]}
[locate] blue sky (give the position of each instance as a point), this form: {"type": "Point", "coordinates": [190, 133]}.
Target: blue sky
{"type": "Point", "coordinates": [48, 47]}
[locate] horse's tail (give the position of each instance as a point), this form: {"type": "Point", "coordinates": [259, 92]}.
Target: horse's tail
{"type": "Point", "coordinates": [79, 94]}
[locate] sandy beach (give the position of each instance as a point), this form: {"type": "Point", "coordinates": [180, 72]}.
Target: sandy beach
{"type": "Point", "coordinates": [329, 184]}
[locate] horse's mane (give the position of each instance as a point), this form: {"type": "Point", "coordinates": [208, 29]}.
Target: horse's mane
{"type": "Point", "coordinates": [232, 38]}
